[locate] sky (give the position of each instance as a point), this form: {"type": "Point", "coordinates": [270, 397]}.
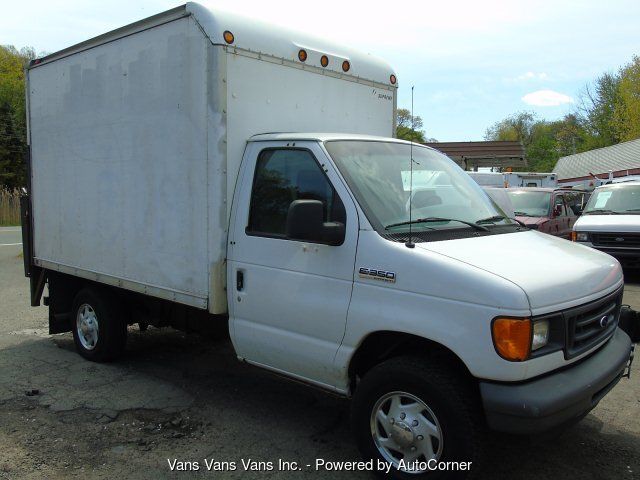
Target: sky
{"type": "Point", "coordinates": [472, 63]}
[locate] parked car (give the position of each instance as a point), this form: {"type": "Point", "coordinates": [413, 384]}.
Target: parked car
{"type": "Point", "coordinates": [549, 210]}
{"type": "Point", "coordinates": [611, 222]}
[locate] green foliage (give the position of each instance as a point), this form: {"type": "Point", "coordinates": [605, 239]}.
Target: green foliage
{"type": "Point", "coordinates": [410, 128]}
{"type": "Point", "coordinates": [13, 123]}
{"type": "Point", "coordinates": [596, 109]}
{"type": "Point", "coordinates": [543, 141]}
{"type": "Point", "coordinates": [627, 107]}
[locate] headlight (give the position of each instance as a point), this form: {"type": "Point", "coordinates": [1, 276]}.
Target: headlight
{"type": "Point", "coordinates": [540, 334]}
{"type": "Point", "coordinates": [512, 338]}
{"type": "Point", "coordinates": [582, 237]}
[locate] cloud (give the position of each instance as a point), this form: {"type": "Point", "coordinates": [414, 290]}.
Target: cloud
{"type": "Point", "coordinates": [532, 76]}
{"type": "Point", "coordinates": [546, 98]}
{"type": "Point", "coordinates": [526, 77]}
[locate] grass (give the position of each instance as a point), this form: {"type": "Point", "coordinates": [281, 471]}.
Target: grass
{"type": "Point", "coordinates": [9, 208]}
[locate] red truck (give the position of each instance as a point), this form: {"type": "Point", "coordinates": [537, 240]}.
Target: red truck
{"type": "Point", "coordinates": [549, 210]}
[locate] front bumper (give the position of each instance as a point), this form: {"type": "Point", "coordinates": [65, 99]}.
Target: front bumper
{"type": "Point", "coordinates": [622, 254]}
{"type": "Point", "coordinates": [559, 398]}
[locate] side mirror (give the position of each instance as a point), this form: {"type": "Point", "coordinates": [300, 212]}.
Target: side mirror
{"type": "Point", "coordinates": [305, 222]}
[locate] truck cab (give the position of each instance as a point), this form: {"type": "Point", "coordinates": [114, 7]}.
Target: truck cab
{"type": "Point", "coordinates": [337, 282]}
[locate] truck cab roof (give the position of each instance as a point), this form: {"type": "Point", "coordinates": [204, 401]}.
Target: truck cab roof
{"type": "Point", "coordinates": [322, 137]}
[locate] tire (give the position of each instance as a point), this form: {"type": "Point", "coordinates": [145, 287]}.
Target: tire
{"type": "Point", "coordinates": [452, 423]}
{"type": "Point", "coordinates": [99, 331]}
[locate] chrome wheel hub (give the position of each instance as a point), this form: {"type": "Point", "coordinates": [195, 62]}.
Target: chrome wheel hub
{"type": "Point", "coordinates": [405, 431]}
{"type": "Point", "coordinates": [87, 326]}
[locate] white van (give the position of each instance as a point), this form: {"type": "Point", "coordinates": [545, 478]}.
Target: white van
{"type": "Point", "coordinates": [610, 222]}
{"type": "Point", "coordinates": [156, 197]}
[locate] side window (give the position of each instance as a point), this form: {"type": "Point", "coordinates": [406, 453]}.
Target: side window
{"type": "Point", "coordinates": [560, 201]}
{"type": "Point", "coordinates": [282, 176]}
{"type": "Point", "coordinates": [573, 203]}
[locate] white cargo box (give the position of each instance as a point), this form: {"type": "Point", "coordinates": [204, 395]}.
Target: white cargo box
{"type": "Point", "coordinates": [137, 135]}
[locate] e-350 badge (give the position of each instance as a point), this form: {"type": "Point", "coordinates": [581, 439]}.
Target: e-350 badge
{"type": "Point", "coordinates": [377, 274]}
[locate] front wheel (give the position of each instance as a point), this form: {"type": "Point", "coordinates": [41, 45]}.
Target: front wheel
{"type": "Point", "coordinates": [99, 331]}
{"type": "Point", "coordinates": [419, 418]}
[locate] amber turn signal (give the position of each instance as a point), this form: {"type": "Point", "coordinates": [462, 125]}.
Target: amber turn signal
{"type": "Point", "coordinates": [574, 236]}
{"type": "Point", "coordinates": [228, 37]}
{"type": "Point", "coordinates": [512, 338]}
{"type": "Point", "coordinates": [324, 60]}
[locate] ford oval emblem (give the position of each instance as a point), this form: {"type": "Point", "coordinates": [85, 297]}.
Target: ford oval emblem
{"type": "Point", "coordinates": [619, 239]}
{"type": "Point", "coordinates": [604, 321]}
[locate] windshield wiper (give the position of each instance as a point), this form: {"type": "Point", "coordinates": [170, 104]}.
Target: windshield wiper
{"type": "Point", "coordinates": [437, 219]}
{"type": "Point", "coordinates": [633, 210]}
{"type": "Point", "coordinates": [500, 217]}
{"type": "Point", "coordinates": [523, 214]}
{"type": "Point", "coordinates": [602, 210]}
{"type": "Point", "coordinates": [492, 219]}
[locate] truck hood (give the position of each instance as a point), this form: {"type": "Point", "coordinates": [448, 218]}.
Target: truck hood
{"type": "Point", "coordinates": [553, 273]}
{"type": "Point", "coordinates": [608, 223]}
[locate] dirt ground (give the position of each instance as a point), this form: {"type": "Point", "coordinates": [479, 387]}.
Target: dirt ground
{"type": "Point", "coordinates": [183, 397]}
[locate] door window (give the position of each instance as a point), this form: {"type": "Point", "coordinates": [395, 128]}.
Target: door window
{"type": "Point", "coordinates": [560, 201]}
{"type": "Point", "coordinates": [283, 175]}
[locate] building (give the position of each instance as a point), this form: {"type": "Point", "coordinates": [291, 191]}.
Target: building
{"type": "Point", "coordinates": [595, 166]}
{"type": "Point", "coordinates": [471, 155]}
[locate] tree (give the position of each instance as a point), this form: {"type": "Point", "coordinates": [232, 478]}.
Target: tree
{"type": "Point", "coordinates": [596, 109]}
{"type": "Point", "coordinates": [543, 141]}
{"type": "Point", "coordinates": [516, 128]}
{"type": "Point", "coordinates": [409, 127]}
{"type": "Point", "coordinates": [626, 118]}
{"type": "Point", "coordinates": [13, 123]}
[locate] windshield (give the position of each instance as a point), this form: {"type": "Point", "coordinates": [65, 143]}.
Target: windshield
{"type": "Point", "coordinates": [614, 199]}
{"type": "Point", "coordinates": [379, 175]}
{"type": "Point", "coordinates": [530, 204]}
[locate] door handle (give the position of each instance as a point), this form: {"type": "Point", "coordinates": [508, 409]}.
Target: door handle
{"type": "Point", "coordinates": [239, 280]}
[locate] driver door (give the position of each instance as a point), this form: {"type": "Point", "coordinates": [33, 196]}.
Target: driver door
{"type": "Point", "coordinates": [289, 299]}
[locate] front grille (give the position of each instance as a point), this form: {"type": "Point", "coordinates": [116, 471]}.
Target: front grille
{"type": "Point", "coordinates": [627, 240]}
{"type": "Point", "coordinates": [590, 324]}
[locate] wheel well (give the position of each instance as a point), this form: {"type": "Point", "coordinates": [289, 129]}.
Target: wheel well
{"type": "Point", "coordinates": [381, 346]}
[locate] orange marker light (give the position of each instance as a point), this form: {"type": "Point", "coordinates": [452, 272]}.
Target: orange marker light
{"type": "Point", "coordinates": [512, 338]}
{"type": "Point", "coordinates": [324, 60]}
{"type": "Point", "coordinates": [574, 236]}
{"type": "Point", "coordinates": [346, 66]}
{"type": "Point", "coordinates": [302, 55]}
{"type": "Point", "coordinates": [392, 79]}
{"type": "Point", "coordinates": [228, 37]}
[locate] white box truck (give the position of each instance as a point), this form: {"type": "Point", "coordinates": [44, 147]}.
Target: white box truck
{"type": "Point", "coordinates": [362, 264]}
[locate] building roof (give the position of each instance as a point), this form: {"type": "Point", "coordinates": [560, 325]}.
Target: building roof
{"type": "Point", "coordinates": [483, 154]}
{"type": "Point", "coordinates": [624, 156]}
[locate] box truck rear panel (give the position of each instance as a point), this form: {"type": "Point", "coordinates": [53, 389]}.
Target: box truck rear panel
{"type": "Point", "coordinates": [119, 160]}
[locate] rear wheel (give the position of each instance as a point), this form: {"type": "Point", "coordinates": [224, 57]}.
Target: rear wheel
{"type": "Point", "coordinates": [420, 417]}
{"type": "Point", "coordinates": [99, 331]}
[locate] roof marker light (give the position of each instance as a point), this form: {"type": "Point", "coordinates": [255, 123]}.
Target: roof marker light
{"type": "Point", "coordinates": [324, 60]}
{"type": "Point", "coordinates": [346, 66]}
{"type": "Point", "coordinates": [393, 79]}
{"type": "Point", "coordinates": [302, 55]}
{"type": "Point", "coordinates": [228, 37]}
